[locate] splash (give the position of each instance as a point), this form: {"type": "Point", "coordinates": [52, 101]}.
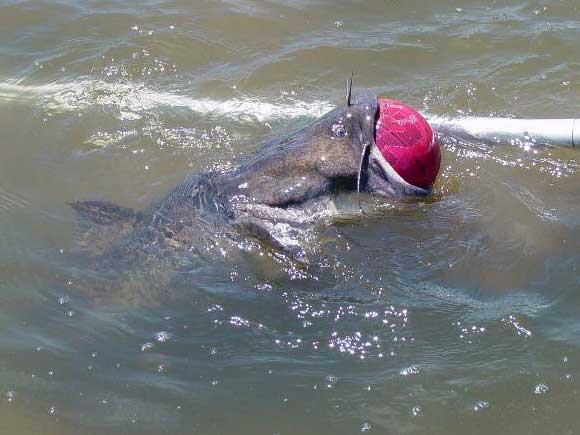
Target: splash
{"type": "Point", "coordinates": [132, 101]}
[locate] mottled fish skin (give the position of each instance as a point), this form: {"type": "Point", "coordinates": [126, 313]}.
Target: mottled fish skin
{"type": "Point", "coordinates": [318, 160]}
{"type": "Point", "coordinates": [273, 196]}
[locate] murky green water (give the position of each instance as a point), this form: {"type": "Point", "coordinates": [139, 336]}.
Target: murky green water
{"type": "Point", "coordinates": [451, 316]}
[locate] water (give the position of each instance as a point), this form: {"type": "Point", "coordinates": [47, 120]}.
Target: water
{"type": "Point", "coordinates": [453, 315]}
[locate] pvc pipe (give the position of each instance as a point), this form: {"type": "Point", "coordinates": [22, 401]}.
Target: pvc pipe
{"type": "Point", "coordinates": [523, 132]}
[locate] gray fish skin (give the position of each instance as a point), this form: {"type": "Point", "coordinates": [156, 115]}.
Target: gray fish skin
{"type": "Point", "coordinates": [320, 159]}
{"type": "Point", "coordinates": [270, 196]}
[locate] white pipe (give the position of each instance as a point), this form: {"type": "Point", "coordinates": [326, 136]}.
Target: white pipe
{"type": "Point", "coordinates": [530, 132]}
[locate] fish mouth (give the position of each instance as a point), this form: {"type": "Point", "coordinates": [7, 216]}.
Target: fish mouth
{"type": "Point", "coordinates": [389, 173]}
{"type": "Point", "coordinates": [381, 177]}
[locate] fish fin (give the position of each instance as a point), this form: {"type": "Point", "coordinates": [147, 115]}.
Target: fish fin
{"type": "Point", "coordinates": [104, 212]}
{"type": "Point", "coordinates": [102, 224]}
{"type": "Point", "coordinates": [278, 238]}
{"type": "Point", "coordinates": [349, 89]}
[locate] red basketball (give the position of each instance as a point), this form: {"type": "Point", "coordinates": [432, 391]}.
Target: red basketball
{"type": "Point", "coordinates": [407, 143]}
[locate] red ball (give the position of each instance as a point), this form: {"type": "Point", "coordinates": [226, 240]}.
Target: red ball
{"type": "Point", "coordinates": [407, 143]}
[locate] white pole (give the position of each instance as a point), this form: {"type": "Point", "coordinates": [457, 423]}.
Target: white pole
{"type": "Point", "coordinates": [562, 132]}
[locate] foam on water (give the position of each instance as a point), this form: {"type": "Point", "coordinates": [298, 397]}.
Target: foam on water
{"type": "Point", "coordinates": [132, 100]}
{"type": "Point", "coordinates": [461, 308]}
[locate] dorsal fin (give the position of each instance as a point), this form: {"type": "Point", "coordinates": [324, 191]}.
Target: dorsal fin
{"type": "Point", "coordinates": [102, 225]}
{"type": "Point", "coordinates": [349, 89]}
{"type": "Point", "coordinates": [104, 212]}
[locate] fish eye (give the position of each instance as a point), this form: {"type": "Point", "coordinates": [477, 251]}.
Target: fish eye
{"type": "Point", "coordinates": [338, 130]}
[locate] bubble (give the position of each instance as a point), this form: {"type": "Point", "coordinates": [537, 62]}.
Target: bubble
{"type": "Point", "coordinates": [412, 370]}
{"type": "Point", "coordinates": [214, 307]}
{"type": "Point", "coordinates": [262, 287]}
{"type": "Point", "coordinates": [239, 321]}
{"type": "Point", "coordinates": [517, 326]}
{"type": "Point", "coordinates": [479, 406]}
{"type": "Point", "coordinates": [146, 346]}
{"type": "Point", "coordinates": [331, 381]}
{"type": "Point", "coordinates": [416, 411]}
{"type": "Point", "coordinates": [365, 427]}
{"type": "Point", "coordinates": [541, 389]}
{"type": "Point", "coordinates": [163, 336]}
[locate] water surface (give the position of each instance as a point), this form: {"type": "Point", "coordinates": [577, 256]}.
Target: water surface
{"type": "Point", "coordinates": [454, 315]}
